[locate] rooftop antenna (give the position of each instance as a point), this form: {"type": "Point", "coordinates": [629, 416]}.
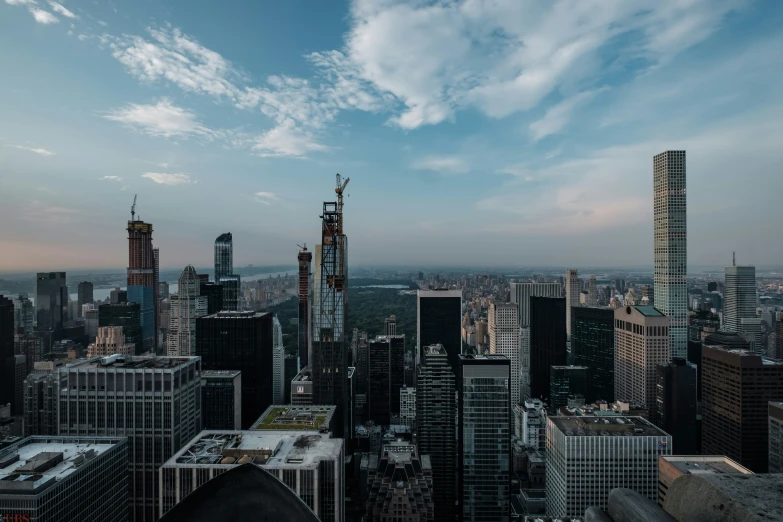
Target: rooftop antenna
{"type": "Point", "coordinates": [733, 259]}
{"type": "Point", "coordinates": [133, 208]}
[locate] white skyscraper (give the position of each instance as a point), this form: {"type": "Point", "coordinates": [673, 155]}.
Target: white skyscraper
{"type": "Point", "coordinates": [573, 288]}
{"type": "Point", "coordinates": [184, 308]}
{"type": "Point", "coordinates": [592, 292]}
{"type": "Point", "coordinates": [739, 294]}
{"type": "Point", "coordinates": [278, 360]}
{"type": "Point", "coordinates": [670, 246]}
{"type": "Point", "coordinates": [504, 340]}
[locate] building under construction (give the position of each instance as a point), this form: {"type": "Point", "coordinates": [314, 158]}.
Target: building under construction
{"type": "Point", "coordinates": [329, 362]}
{"type": "Point", "coordinates": [142, 277]}
{"type": "Point", "coordinates": [305, 258]}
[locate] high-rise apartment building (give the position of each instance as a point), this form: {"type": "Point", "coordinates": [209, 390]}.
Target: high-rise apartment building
{"type": "Point", "coordinates": [126, 315]}
{"type": "Point", "coordinates": [278, 362]}
{"type": "Point", "coordinates": [390, 325]}
{"type": "Point", "coordinates": [436, 426]}
{"type": "Point", "coordinates": [7, 361]}
{"type": "Point", "coordinates": [221, 400]}
{"type": "Point", "coordinates": [141, 279]}
{"type": "Point", "coordinates": [504, 340]}
{"type": "Point", "coordinates": [305, 259]}
{"type": "Point", "coordinates": [109, 341]}
{"type": "Point", "coordinates": [739, 293]}
{"type": "Point", "coordinates": [24, 313]}
{"type": "Point", "coordinates": [671, 246]}
{"type": "Point", "coordinates": [484, 440]}
{"type": "Point", "coordinates": [65, 478]}
{"type": "Point", "coordinates": [154, 401]}
{"type": "Point", "coordinates": [407, 406]}
{"type": "Point", "coordinates": [439, 321]}
{"type": "Point", "coordinates": [40, 403]}
{"type": "Point", "coordinates": [737, 387]}
{"type": "Point", "coordinates": [592, 293]}
{"type": "Point", "coordinates": [399, 485]}
{"type": "Point", "coordinates": [31, 346]}
{"type": "Point", "coordinates": [592, 345]}
{"type": "Point", "coordinates": [641, 344]}
{"type": "Point", "coordinates": [573, 287]}
{"type": "Point", "coordinates": [775, 435]}
{"type": "Point", "coordinates": [224, 271]}
{"type": "Point", "coordinates": [588, 456]}
{"type": "Point", "coordinates": [379, 397]}
{"type": "Point", "coordinates": [184, 308]}
{"type": "Point", "coordinates": [547, 341]}
{"type": "Point", "coordinates": [396, 370]}
{"type": "Point", "coordinates": [51, 301]}
{"type": "Point", "coordinates": [240, 341]}
{"type": "Point", "coordinates": [20, 373]}
{"type": "Point", "coordinates": [85, 295]}
{"type": "Point", "coordinates": [675, 407]}
{"type": "Point", "coordinates": [566, 382]}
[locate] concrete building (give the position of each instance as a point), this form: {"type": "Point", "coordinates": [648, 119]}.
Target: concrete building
{"type": "Point", "coordinates": [154, 401]}
{"type": "Point", "coordinates": [221, 400]}
{"type": "Point", "coordinates": [439, 321]}
{"type": "Point", "coordinates": [407, 406]}
{"type": "Point", "coordinates": [775, 437]}
{"type": "Point", "coordinates": [91, 321]}
{"type": "Point", "coordinates": [530, 424]}
{"type": "Point", "coordinates": [390, 325]}
{"type": "Point", "coordinates": [40, 403]}
{"type": "Point", "coordinates": [310, 463]}
{"type": "Point", "coordinates": [109, 341]}
{"type": "Point", "coordinates": [126, 315]}
{"type": "Point", "coordinates": [641, 343]}
{"type": "Point", "coordinates": [484, 438]}
{"type": "Point", "coordinates": [184, 309]}
{"type": "Point", "coordinates": [592, 345]}
{"type": "Point", "coordinates": [739, 294]}
{"type": "Point", "coordinates": [64, 478]}
{"type": "Point", "coordinates": [588, 456]}
{"type": "Point", "coordinates": [671, 467]}
{"type": "Point", "coordinates": [504, 340]}
{"type": "Point", "coordinates": [592, 292]}
{"type": "Point", "coordinates": [399, 485]}
{"type": "Point", "coordinates": [573, 287]}
{"type": "Point", "coordinates": [302, 388]}
{"type": "Point", "coordinates": [278, 361]}
{"type": "Point", "coordinates": [671, 246]}
{"type": "Point", "coordinates": [738, 386]}
{"type": "Point", "coordinates": [31, 346]}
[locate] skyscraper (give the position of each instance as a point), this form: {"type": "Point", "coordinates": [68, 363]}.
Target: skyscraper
{"type": "Point", "coordinates": [214, 294]}
{"type": "Point", "coordinates": [436, 424]}
{"type": "Point", "coordinates": [379, 399]}
{"type": "Point", "coordinates": [304, 258]}
{"type": "Point", "coordinates": [504, 340]}
{"type": "Point", "coordinates": [775, 437]}
{"type": "Point", "coordinates": [439, 321]}
{"type": "Point", "coordinates": [484, 440]}
{"type": "Point", "coordinates": [565, 382]}
{"type": "Point", "coordinates": [240, 341]}
{"type": "Point", "coordinates": [51, 301]}
{"type": "Point", "coordinates": [739, 293]}
{"type": "Point", "coordinates": [278, 362]}
{"type": "Point", "coordinates": [330, 361]}
{"type": "Point", "coordinates": [84, 295]}
{"type": "Point", "coordinates": [572, 287]}
{"type": "Point", "coordinates": [141, 278]}
{"type": "Point", "coordinates": [396, 369]}
{"type": "Point", "coordinates": [670, 246]}
{"type": "Point", "coordinates": [126, 315]}
{"type": "Point", "coordinates": [641, 344]}
{"type": "Point", "coordinates": [547, 341]}
{"type": "Point", "coordinates": [24, 313]}
{"type": "Point", "coordinates": [109, 341]}
{"type": "Point", "coordinates": [7, 361]}
{"type": "Point", "coordinates": [400, 481]}
{"type": "Point", "coordinates": [41, 390]}
{"type": "Point", "coordinates": [224, 271]}
{"type": "Point", "coordinates": [592, 345]}
{"type": "Point", "coordinates": [184, 308]}
{"type": "Point", "coordinates": [592, 292]}
{"type": "Point", "coordinates": [390, 325]}
{"type": "Point", "coordinates": [675, 405]}
{"type": "Point", "coordinates": [221, 400]}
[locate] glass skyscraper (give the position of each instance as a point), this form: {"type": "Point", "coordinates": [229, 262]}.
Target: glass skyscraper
{"type": "Point", "coordinates": [592, 345]}
{"type": "Point", "coordinates": [224, 271]}
{"type": "Point", "coordinates": [670, 246]}
{"type": "Point", "coordinates": [547, 341]}
{"type": "Point", "coordinates": [439, 321]}
{"type": "Point", "coordinates": [51, 301]}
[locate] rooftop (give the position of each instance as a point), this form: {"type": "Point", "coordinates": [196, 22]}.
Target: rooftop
{"type": "Point", "coordinates": [649, 311]}
{"type": "Point", "coordinates": [591, 425]}
{"type": "Point", "coordinates": [483, 358]}
{"type": "Point", "coordinates": [249, 314]}
{"type": "Point", "coordinates": [286, 417]}
{"type": "Point", "coordinates": [705, 464]}
{"type": "Point", "coordinates": [131, 362]}
{"type": "Point", "coordinates": [270, 449]}
{"type": "Point", "coordinates": [220, 373]}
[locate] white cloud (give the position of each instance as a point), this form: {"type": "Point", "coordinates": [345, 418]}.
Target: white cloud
{"type": "Point", "coordinates": [167, 179]}
{"type": "Point", "coordinates": [102, 23]}
{"type": "Point", "coordinates": [43, 17]}
{"type": "Point", "coordinates": [162, 119]}
{"type": "Point", "coordinates": [59, 8]}
{"type": "Point", "coordinates": [287, 140]}
{"type": "Point", "coordinates": [36, 150]}
{"type": "Point", "coordinates": [557, 117]}
{"type": "Point", "coordinates": [20, 2]}
{"type": "Point", "coordinates": [445, 164]}
{"type": "Point", "coordinates": [112, 178]}
{"type": "Point", "coordinates": [265, 197]}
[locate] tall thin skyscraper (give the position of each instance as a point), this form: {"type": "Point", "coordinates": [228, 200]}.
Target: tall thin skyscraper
{"type": "Point", "coordinates": [439, 321]}
{"type": "Point", "coordinates": [24, 314]}
{"type": "Point", "coordinates": [156, 297]}
{"type": "Point", "coordinates": [7, 360]}
{"type": "Point", "coordinates": [51, 301]}
{"type": "Point", "coordinates": [141, 277]}
{"type": "Point", "coordinates": [572, 288]}
{"type": "Point", "coordinates": [592, 292]}
{"type": "Point", "coordinates": [224, 271]}
{"type": "Point", "coordinates": [390, 325]}
{"type": "Point", "coordinates": [330, 360]}
{"type": "Point", "coordinates": [739, 294]}
{"type": "Point", "coordinates": [84, 296]}
{"type": "Point", "coordinates": [379, 387]}
{"type": "Point", "coordinates": [592, 345]}
{"type": "Point", "coordinates": [305, 258]}
{"type": "Point", "coordinates": [547, 341]}
{"type": "Point", "coordinates": [184, 308]}
{"type": "Point", "coordinates": [504, 340]}
{"type": "Point", "coordinates": [278, 362]}
{"type": "Point", "coordinates": [671, 246]}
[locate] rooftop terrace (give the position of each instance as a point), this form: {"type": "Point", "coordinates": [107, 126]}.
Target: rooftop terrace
{"type": "Point", "coordinates": [285, 417]}
{"type": "Point", "coordinates": [607, 426]}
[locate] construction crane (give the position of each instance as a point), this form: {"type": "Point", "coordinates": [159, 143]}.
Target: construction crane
{"type": "Point", "coordinates": [304, 248]}
{"type": "Point", "coordinates": [133, 208]}
{"type": "Point", "coordinates": [339, 278]}
{"type": "Point", "coordinates": [339, 190]}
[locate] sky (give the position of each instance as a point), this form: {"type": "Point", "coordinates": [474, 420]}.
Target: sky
{"type": "Point", "coordinates": [474, 132]}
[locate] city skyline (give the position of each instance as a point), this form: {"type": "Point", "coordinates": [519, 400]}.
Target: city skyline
{"type": "Point", "coordinates": [545, 170]}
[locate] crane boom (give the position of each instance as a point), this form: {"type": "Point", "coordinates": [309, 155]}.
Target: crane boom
{"type": "Point", "coordinates": [133, 208]}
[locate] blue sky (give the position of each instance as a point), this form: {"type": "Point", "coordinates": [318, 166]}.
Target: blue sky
{"type": "Point", "coordinates": [501, 132]}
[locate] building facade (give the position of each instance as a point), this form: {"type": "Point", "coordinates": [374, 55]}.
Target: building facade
{"type": "Point", "coordinates": [51, 301]}
{"type": "Point", "coordinates": [739, 294]}
{"type": "Point", "coordinates": [24, 314]}
{"type": "Point", "coordinates": [278, 362]}
{"type": "Point", "coordinates": [671, 246]}
{"type": "Point", "coordinates": [504, 340]}
{"type": "Point", "coordinates": [85, 295]}
{"type": "Point", "coordinates": [439, 321]}
{"type": "Point", "coordinates": [573, 288]}
{"type": "Point", "coordinates": [221, 400]}
{"type": "Point", "coordinates": [379, 397]}
{"type": "Point", "coordinates": [305, 260]}
{"type": "Point", "coordinates": [41, 395]}
{"type": "Point", "coordinates": [775, 437]}
{"type": "Point", "coordinates": [566, 382]}
{"type": "Point", "coordinates": [142, 280]}
{"type": "Point", "coordinates": [399, 485]}
{"type": "Point", "coordinates": [547, 341]}
{"type": "Point", "coordinates": [110, 340]}
{"type": "Point", "coordinates": [592, 345]}
{"type": "Point", "coordinates": [126, 315]}
{"type": "Point", "coordinates": [675, 407]}
{"type": "Point", "coordinates": [184, 308]}
{"type": "Point", "coordinates": [407, 406]}
{"type": "Point", "coordinates": [7, 361]}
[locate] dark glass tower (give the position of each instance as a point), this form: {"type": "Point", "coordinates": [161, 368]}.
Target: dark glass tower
{"type": "Point", "coordinates": [547, 341]}
{"type": "Point", "coordinates": [224, 271]}
{"type": "Point", "coordinates": [566, 381]}
{"type": "Point", "coordinates": [304, 258]}
{"type": "Point", "coordinates": [439, 321]}
{"type": "Point", "coordinates": [379, 399]}
{"type": "Point", "coordinates": [592, 345]}
{"type": "Point", "coordinates": [7, 359]}
{"type": "Point", "coordinates": [221, 400]}
{"type": "Point", "coordinates": [290, 369]}
{"type": "Point", "coordinates": [85, 295]}
{"type": "Point", "coordinates": [240, 341]}
{"type": "Point", "coordinates": [51, 301]}
{"type": "Point", "coordinates": [214, 295]}
{"type": "Point", "coordinates": [675, 405]}
{"type": "Point", "coordinates": [396, 370]}
{"type": "Point", "coordinates": [126, 315]}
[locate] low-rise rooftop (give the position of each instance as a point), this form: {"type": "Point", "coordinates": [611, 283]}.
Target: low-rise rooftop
{"type": "Point", "coordinates": [220, 373]}
{"type": "Point", "coordinates": [704, 464]}
{"type": "Point", "coordinates": [287, 417]}
{"type": "Point", "coordinates": [607, 426]}
{"type": "Point", "coordinates": [131, 362]}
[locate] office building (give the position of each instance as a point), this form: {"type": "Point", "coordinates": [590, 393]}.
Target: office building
{"type": "Point", "coordinates": [305, 260]}
{"type": "Point", "coordinates": [184, 309]}
{"type": "Point", "coordinates": [504, 340]}
{"type": "Point", "coordinates": [214, 294]}
{"type": "Point", "coordinates": [224, 272]}
{"type": "Point", "coordinates": [670, 246]}
{"type": "Point", "coordinates": [484, 440]}
{"type": "Point", "coordinates": [24, 314]}
{"type": "Point", "coordinates": [31, 346]}
{"type": "Point", "coordinates": [51, 301]}
{"type": "Point", "coordinates": [142, 283]}
{"type": "Point", "coordinates": [629, 448]}
{"type": "Point", "coordinates": [566, 382]}
{"type": "Point", "coordinates": [750, 329]}
{"type": "Point", "coordinates": [232, 298]}
{"type": "Point", "coordinates": [20, 373]}
{"type": "Point", "coordinates": [775, 435]}
{"type": "Point", "coordinates": [739, 294]}
{"type": "Point", "coordinates": [530, 424]}
{"type": "Point", "coordinates": [64, 478]}
{"type": "Point", "coordinates": [240, 341]}
{"type": "Point", "coordinates": [278, 358]}
{"type": "Point", "coordinates": [671, 467]}
{"type": "Point", "coordinates": [547, 341]}
{"type": "Point", "coordinates": [439, 321]}
{"type": "Point", "coordinates": [436, 426]}
{"type": "Point", "coordinates": [40, 403]}
{"type": "Point", "coordinates": [675, 407]}
{"type": "Point", "coordinates": [84, 295]}
{"type": "Point", "coordinates": [91, 322]}
{"type": "Point", "coordinates": [407, 406]}
{"type": "Point", "coordinates": [290, 370]}
{"type": "Point", "coordinates": [154, 401]}
{"type": "Point", "coordinates": [396, 370]}
{"type": "Point", "coordinates": [109, 341]}
{"type": "Point", "coordinates": [302, 388]}
{"type": "Point", "coordinates": [522, 292]}
{"type": "Point", "coordinates": [592, 293]}
{"type": "Point", "coordinates": [379, 387]}
{"type": "Point", "coordinates": [310, 463]}
{"type": "Point", "coordinates": [390, 325]}
{"type": "Point", "coordinates": [7, 360]}
{"type": "Point", "coordinates": [118, 295]}
{"type": "Point", "coordinates": [399, 485]}
{"type": "Point", "coordinates": [221, 400]}
{"type": "Point", "coordinates": [361, 360]}
{"type": "Point", "coordinates": [126, 315]}
{"type": "Point", "coordinates": [573, 287]}
{"type": "Point", "coordinates": [641, 343]}
{"type": "Point", "coordinates": [737, 387]}
{"type": "Point", "coordinates": [592, 345]}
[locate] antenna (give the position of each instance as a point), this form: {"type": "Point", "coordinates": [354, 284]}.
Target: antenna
{"type": "Point", "coordinates": [133, 208]}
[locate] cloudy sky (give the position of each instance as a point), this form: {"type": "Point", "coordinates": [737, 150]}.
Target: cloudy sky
{"type": "Point", "coordinates": [494, 132]}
